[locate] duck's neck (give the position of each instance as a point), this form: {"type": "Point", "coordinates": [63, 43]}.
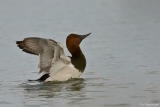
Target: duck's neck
{"type": "Point", "coordinates": [78, 59]}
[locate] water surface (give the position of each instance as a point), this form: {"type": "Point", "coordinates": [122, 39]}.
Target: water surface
{"type": "Point", "coordinates": [123, 52]}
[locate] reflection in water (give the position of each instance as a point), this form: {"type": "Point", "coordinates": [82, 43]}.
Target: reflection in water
{"type": "Point", "coordinates": [52, 89]}
{"type": "Point", "coordinates": [117, 105]}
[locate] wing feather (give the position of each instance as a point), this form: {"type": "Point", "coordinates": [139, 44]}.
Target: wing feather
{"type": "Point", "coordinates": [30, 45]}
{"type": "Point", "coordinates": [48, 50]}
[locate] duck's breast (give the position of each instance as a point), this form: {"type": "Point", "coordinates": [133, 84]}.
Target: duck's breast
{"type": "Point", "coordinates": [65, 73]}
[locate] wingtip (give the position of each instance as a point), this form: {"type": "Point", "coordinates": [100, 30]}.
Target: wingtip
{"type": "Point", "coordinates": [18, 42]}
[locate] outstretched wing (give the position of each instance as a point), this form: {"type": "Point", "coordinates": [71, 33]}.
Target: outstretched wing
{"type": "Point", "coordinates": [48, 50]}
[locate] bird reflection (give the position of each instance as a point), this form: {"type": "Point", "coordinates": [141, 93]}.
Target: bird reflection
{"type": "Point", "coordinates": [34, 89]}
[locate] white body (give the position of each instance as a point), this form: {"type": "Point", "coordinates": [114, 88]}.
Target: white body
{"type": "Point", "coordinates": [61, 71]}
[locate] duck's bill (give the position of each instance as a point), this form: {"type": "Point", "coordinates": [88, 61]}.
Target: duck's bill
{"type": "Point", "coordinates": [86, 35]}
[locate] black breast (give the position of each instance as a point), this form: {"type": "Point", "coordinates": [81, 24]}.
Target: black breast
{"type": "Point", "coordinates": [79, 62]}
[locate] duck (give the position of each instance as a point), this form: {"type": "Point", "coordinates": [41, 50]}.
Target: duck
{"type": "Point", "coordinates": [54, 64]}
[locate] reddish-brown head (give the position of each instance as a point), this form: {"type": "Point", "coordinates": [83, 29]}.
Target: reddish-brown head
{"type": "Point", "coordinates": [73, 41]}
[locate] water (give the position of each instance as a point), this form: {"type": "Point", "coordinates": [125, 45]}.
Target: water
{"type": "Point", "coordinates": [123, 52]}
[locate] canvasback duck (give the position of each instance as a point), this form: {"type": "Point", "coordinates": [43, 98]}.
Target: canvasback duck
{"type": "Point", "coordinates": [54, 64]}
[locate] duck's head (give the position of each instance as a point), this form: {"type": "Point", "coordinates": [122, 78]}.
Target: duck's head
{"type": "Point", "coordinates": [73, 41]}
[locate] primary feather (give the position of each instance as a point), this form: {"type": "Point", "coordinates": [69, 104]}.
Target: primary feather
{"type": "Point", "coordinates": [49, 51]}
